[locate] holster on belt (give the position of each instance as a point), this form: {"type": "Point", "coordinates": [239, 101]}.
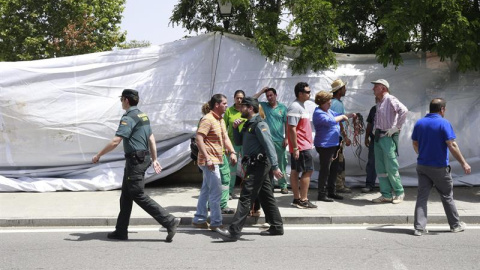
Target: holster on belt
{"type": "Point", "coordinates": [253, 159]}
{"type": "Point", "coordinates": [138, 155]}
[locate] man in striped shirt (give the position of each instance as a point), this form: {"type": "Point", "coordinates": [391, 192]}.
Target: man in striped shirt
{"type": "Point", "coordinates": [212, 139]}
{"type": "Point", "coordinates": [389, 119]}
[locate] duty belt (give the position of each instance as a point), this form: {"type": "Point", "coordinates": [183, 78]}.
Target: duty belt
{"type": "Point", "coordinates": [252, 159]}
{"type": "Point", "coordinates": [141, 153]}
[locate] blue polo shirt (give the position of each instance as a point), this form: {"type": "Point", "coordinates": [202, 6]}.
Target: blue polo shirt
{"type": "Point", "coordinates": [327, 130]}
{"type": "Point", "coordinates": [431, 133]}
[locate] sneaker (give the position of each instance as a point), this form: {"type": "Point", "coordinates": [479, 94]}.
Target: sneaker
{"type": "Point", "coordinates": [382, 199]}
{"type": "Point", "coordinates": [204, 225]}
{"type": "Point", "coordinates": [398, 199]}
{"type": "Point", "coordinates": [460, 228]}
{"type": "Point", "coordinates": [117, 236]}
{"type": "Point", "coordinates": [172, 230]}
{"type": "Point", "coordinates": [366, 189]}
{"type": "Point", "coordinates": [284, 191]}
{"type": "Point", "coordinates": [296, 203]}
{"type": "Point", "coordinates": [419, 232]}
{"type": "Point", "coordinates": [307, 204]}
{"type": "Point", "coordinates": [344, 190]}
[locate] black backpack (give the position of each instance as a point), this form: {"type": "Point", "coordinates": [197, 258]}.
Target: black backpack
{"type": "Point", "coordinates": [193, 149]}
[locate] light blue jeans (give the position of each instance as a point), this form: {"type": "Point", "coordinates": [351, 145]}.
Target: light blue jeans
{"type": "Point", "coordinates": [211, 191]}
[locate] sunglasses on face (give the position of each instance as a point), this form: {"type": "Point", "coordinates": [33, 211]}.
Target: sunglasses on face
{"type": "Point", "coordinates": [306, 92]}
{"type": "Point", "coordinates": [122, 99]}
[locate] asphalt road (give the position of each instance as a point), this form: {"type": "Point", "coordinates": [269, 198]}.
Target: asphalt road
{"type": "Point", "coordinates": [302, 247]}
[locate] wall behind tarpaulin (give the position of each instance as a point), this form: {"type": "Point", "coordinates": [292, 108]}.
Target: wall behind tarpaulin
{"type": "Point", "coordinates": [56, 114]}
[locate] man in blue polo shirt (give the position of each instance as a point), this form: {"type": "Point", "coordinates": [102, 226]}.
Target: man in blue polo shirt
{"type": "Point", "coordinates": [432, 137]}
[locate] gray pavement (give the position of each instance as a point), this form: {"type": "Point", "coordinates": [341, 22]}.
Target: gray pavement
{"type": "Point", "coordinates": [100, 208]}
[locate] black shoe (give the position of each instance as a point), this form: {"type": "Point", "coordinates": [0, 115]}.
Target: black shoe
{"type": "Point", "coordinates": [226, 235]}
{"type": "Point", "coordinates": [324, 198]}
{"type": "Point", "coordinates": [271, 232]}
{"type": "Point", "coordinates": [118, 236]}
{"type": "Point", "coordinates": [172, 230]}
{"type": "Point", "coordinates": [344, 190]}
{"type": "Point", "coordinates": [335, 196]}
{"type": "Point", "coordinates": [228, 211]}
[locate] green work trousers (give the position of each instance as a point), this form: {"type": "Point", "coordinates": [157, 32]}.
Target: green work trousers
{"type": "Point", "coordinates": [386, 165]}
{"type": "Point", "coordinates": [282, 162]}
{"type": "Point", "coordinates": [225, 179]}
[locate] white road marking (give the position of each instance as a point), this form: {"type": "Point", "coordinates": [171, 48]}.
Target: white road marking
{"type": "Point", "coordinates": [10, 230]}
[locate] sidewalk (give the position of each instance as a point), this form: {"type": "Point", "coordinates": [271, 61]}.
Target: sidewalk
{"type": "Point", "coordinates": [100, 208]}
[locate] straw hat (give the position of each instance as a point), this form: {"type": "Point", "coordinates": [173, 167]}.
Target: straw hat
{"type": "Point", "coordinates": [337, 84]}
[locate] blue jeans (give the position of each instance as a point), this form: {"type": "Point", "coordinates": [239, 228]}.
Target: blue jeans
{"type": "Point", "coordinates": [211, 192]}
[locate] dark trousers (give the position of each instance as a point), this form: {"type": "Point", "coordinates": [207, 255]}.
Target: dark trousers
{"type": "Point", "coordinates": [442, 180]}
{"type": "Point", "coordinates": [133, 191]}
{"type": "Point", "coordinates": [371, 172]}
{"type": "Point", "coordinates": [257, 183]}
{"type": "Point", "coordinates": [328, 170]}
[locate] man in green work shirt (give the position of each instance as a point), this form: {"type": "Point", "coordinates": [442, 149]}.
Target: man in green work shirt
{"type": "Point", "coordinates": [138, 139]}
{"type": "Point", "coordinates": [231, 114]}
{"type": "Point", "coordinates": [276, 118]}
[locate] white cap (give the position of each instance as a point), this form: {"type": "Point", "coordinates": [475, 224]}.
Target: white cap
{"type": "Point", "coordinates": [382, 81]}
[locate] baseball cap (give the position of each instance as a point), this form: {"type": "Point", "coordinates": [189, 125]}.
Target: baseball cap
{"type": "Point", "coordinates": [382, 81]}
{"type": "Point", "coordinates": [129, 93]}
{"type": "Point", "coordinates": [250, 101]}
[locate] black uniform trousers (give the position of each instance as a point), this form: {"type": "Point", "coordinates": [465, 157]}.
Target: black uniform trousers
{"type": "Point", "coordinates": [257, 183]}
{"type": "Point", "coordinates": [328, 170]}
{"type": "Point", "coordinates": [133, 191]}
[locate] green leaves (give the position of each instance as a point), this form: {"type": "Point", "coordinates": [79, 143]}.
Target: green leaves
{"type": "Point", "coordinates": [37, 29]}
{"type": "Point", "coordinates": [318, 28]}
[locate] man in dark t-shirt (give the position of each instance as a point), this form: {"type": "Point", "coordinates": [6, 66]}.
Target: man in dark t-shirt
{"type": "Point", "coordinates": [135, 131]}
{"type": "Point", "coordinates": [369, 142]}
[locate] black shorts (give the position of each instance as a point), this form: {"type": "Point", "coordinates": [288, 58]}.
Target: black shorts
{"type": "Point", "coordinates": [304, 163]}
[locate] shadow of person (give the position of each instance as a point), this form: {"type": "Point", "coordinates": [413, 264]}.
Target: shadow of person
{"type": "Point", "coordinates": [391, 229]}
{"type": "Point", "coordinates": [102, 236]}
{"type": "Point", "coordinates": [214, 235]}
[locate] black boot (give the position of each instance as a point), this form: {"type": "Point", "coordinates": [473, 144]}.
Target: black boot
{"type": "Point", "coordinates": [335, 196]}
{"type": "Point", "coordinates": [323, 197]}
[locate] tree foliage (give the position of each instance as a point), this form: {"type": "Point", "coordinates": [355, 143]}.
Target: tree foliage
{"type": "Point", "coordinates": [38, 29]}
{"type": "Point", "coordinates": [135, 44]}
{"type": "Point", "coordinates": [316, 29]}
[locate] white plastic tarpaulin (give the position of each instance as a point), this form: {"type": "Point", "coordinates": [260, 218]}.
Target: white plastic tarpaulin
{"type": "Point", "coordinates": [56, 114]}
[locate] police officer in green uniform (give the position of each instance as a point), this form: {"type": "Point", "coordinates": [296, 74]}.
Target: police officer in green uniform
{"type": "Point", "coordinates": [259, 157]}
{"type": "Point", "coordinates": [140, 152]}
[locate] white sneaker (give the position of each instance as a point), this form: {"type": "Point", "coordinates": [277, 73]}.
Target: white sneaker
{"type": "Point", "coordinates": [382, 199]}
{"type": "Point", "coordinates": [460, 228]}
{"type": "Point", "coordinates": [398, 199]}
